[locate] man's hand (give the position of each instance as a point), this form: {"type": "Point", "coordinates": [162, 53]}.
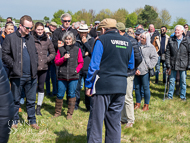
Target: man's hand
{"type": "Point", "coordinates": [88, 92]}
{"type": "Point", "coordinates": [60, 43]}
{"type": "Point", "coordinates": [86, 53]}
{"type": "Point", "coordinates": [66, 56]}
{"type": "Point", "coordinates": [84, 39]}
{"type": "Point", "coordinates": [137, 72]}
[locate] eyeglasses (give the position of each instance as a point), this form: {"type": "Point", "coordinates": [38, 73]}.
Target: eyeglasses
{"type": "Point", "coordinates": [27, 27]}
{"type": "Point", "coordinates": [66, 20]}
{"type": "Point", "coordinates": [143, 37]}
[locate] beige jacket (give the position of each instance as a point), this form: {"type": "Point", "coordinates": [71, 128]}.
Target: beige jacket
{"type": "Point", "coordinates": [157, 41]}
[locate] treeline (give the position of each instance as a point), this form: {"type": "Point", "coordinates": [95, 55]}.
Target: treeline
{"type": "Point", "coordinates": [145, 16]}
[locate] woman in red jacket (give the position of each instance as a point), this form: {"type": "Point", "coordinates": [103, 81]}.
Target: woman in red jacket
{"type": "Point", "coordinates": [69, 61]}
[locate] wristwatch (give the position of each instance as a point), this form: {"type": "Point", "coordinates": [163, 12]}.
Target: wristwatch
{"type": "Point", "coordinates": [75, 71]}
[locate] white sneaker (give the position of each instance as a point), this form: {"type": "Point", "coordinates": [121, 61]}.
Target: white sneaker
{"type": "Point", "coordinates": [22, 101]}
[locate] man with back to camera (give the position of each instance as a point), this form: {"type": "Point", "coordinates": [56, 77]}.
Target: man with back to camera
{"type": "Point", "coordinates": [20, 55]}
{"type": "Point", "coordinates": [127, 114]}
{"type": "Point", "coordinates": [106, 82]}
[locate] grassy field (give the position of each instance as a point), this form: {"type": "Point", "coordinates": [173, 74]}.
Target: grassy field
{"type": "Point", "coordinates": [166, 121]}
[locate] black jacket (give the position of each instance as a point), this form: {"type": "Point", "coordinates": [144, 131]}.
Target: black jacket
{"type": "Point", "coordinates": [12, 54]}
{"type": "Point", "coordinates": [68, 68]}
{"type": "Point", "coordinates": [6, 106]}
{"type": "Point", "coordinates": [58, 35]}
{"type": "Point", "coordinates": [85, 47]}
{"type": "Point", "coordinates": [137, 54]}
{"type": "Point", "coordinates": [156, 33]}
{"type": "Point", "coordinates": [178, 59]}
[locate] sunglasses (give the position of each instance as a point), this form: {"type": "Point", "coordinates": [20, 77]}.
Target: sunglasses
{"type": "Point", "coordinates": [186, 27]}
{"type": "Point", "coordinates": [27, 27]}
{"type": "Point", "coordinates": [66, 20]}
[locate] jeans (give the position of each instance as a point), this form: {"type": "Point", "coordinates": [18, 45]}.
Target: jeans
{"type": "Point", "coordinates": [172, 79]}
{"type": "Point", "coordinates": [51, 73]}
{"type": "Point", "coordinates": [78, 89]}
{"type": "Point", "coordinates": [142, 80]}
{"type": "Point", "coordinates": [107, 109]}
{"type": "Point", "coordinates": [157, 67]}
{"type": "Point", "coordinates": [63, 85]}
{"type": "Point", "coordinates": [29, 84]}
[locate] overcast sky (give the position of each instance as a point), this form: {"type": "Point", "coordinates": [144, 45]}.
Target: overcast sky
{"type": "Point", "coordinates": [37, 9]}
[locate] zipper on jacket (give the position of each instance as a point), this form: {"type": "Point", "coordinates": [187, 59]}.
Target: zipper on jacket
{"type": "Point", "coordinates": [21, 57]}
{"type": "Point", "coordinates": [67, 70]}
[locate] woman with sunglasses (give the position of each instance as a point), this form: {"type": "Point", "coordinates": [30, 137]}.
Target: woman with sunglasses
{"type": "Point", "coordinates": [142, 77]}
{"type": "Point", "coordinates": [43, 45]}
{"type": "Point", "coordinates": [69, 61]}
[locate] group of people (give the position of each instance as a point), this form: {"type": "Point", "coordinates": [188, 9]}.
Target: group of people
{"type": "Point", "coordinates": [109, 61]}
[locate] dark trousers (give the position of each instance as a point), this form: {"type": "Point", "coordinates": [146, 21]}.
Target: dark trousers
{"type": "Point", "coordinates": [29, 84]}
{"type": "Point", "coordinates": [41, 80]}
{"type": "Point", "coordinates": [51, 73]}
{"type": "Point", "coordinates": [78, 89]}
{"type": "Point", "coordinates": [105, 108]}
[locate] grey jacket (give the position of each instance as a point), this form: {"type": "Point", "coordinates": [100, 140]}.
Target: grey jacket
{"type": "Point", "coordinates": [149, 55]}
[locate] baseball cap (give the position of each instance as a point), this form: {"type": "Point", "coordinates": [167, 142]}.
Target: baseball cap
{"type": "Point", "coordinates": [120, 26]}
{"type": "Point", "coordinates": [139, 31]}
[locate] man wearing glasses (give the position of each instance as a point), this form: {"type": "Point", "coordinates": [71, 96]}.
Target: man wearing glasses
{"type": "Point", "coordinates": [186, 26]}
{"type": "Point", "coordinates": [58, 33]}
{"type": "Point", "coordinates": [20, 55]}
{"type": "Point", "coordinates": [160, 42]}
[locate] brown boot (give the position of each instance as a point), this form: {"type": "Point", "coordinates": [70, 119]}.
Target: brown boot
{"type": "Point", "coordinates": [58, 107]}
{"type": "Point", "coordinates": [137, 106]}
{"type": "Point", "coordinates": [145, 108]}
{"type": "Point", "coordinates": [71, 107]}
{"type": "Point", "coordinates": [35, 126]}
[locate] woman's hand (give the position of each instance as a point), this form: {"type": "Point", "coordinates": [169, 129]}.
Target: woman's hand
{"type": "Point", "coordinates": [60, 43]}
{"type": "Point", "coordinates": [66, 56]}
{"type": "Point", "coordinates": [137, 72]}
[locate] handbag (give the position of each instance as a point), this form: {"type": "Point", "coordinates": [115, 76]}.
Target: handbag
{"type": "Point", "coordinates": [151, 71]}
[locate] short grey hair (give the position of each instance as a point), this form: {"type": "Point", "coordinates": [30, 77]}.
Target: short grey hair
{"type": "Point", "coordinates": [77, 24]}
{"type": "Point", "coordinates": [69, 34]}
{"type": "Point", "coordinates": [82, 22]}
{"type": "Point", "coordinates": [182, 28]}
{"type": "Point", "coordinates": [66, 15]}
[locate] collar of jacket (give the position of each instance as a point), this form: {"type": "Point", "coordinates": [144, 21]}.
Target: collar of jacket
{"type": "Point", "coordinates": [175, 38]}
{"type": "Point", "coordinates": [111, 31]}
{"type": "Point", "coordinates": [44, 37]}
{"type": "Point", "coordinates": [63, 28]}
{"type": "Point", "coordinates": [78, 39]}
{"type": "Point", "coordinates": [19, 35]}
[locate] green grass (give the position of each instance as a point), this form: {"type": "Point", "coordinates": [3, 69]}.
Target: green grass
{"type": "Point", "coordinates": [166, 121]}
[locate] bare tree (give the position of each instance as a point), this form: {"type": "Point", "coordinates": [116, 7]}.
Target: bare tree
{"type": "Point", "coordinates": [165, 17]}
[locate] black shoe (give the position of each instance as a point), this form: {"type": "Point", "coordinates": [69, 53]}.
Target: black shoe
{"type": "Point", "coordinates": [167, 98]}
{"type": "Point", "coordinates": [164, 81]}
{"type": "Point", "coordinates": [48, 94]}
{"type": "Point", "coordinates": [38, 110]}
{"type": "Point", "coordinates": [156, 81]}
{"type": "Point", "coordinates": [183, 99]}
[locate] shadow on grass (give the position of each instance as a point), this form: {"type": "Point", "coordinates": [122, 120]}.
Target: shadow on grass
{"type": "Point", "coordinates": [65, 137]}
{"type": "Point", "coordinates": [51, 109]}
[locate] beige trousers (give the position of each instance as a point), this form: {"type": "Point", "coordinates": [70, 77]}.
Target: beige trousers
{"type": "Point", "coordinates": [127, 114]}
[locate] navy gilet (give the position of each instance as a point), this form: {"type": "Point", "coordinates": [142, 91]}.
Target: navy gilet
{"type": "Point", "coordinates": [114, 64]}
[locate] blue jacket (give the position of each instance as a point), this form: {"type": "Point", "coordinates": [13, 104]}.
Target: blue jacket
{"type": "Point", "coordinates": [6, 106]}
